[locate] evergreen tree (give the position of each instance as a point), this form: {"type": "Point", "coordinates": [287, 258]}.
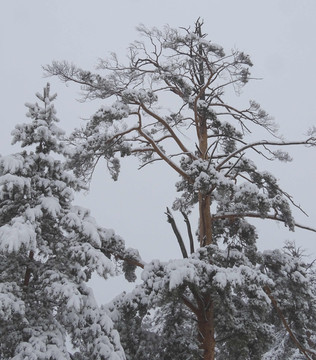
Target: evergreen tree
{"type": "Point", "coordinates": [162, 332]}
{"type": "Point", "coordinates": [241, 301]}
{"type": "Point", "coordinates": [49, 249]}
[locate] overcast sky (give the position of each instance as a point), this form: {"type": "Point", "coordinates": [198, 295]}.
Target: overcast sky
{"type": "Point", "coordinates": [279, 35]}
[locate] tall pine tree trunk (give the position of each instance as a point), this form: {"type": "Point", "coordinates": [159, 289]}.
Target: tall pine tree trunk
{"type": "Point", "coordinates": [206, 307]}
{"type": "Point", "coordinates": [205, 222]}
{"type": "Point", "coordinates": [205, 315]}
{"type": "Point", "coordinates": [206, 329]}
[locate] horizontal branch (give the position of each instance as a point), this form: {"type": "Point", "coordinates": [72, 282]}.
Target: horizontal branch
{"type": "Point", "coordinates": [259, 216]}
{"type": "Point", "coordinates": [309, 141]}
{"type": "Point", "coordinates": [142, 150]}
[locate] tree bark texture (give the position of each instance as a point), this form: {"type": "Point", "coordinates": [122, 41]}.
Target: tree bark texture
{"type": "Point", "coordinates": [205, 319]}
{"type": "Point", "coordinates": [205, 226]}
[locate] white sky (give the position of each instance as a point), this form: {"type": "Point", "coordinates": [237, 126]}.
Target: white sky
{"type": "Point", "coordinates": [279, 35]}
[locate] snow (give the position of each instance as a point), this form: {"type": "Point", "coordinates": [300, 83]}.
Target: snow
{"type": "Point", "coordinates": [16, 235]}
{"type": "Point", "coordinates": [141, 95]}
{"type": "Point", "coordinates": [71, 220]}
{"type": "Point", "coordinates": [90, 230]}
{"type": "Point", "coordinates": [180, 271]}
{"type": "Point", "coordinates": [159, 277]}
{"type": "Point", "coordinates": [65, 290]}
{"type": "Point", "coordinates": [51, 204]}
{"type": "Point", "coordinates": [67, 193]}
{"type": "Point", "coordinates": [12, 181]}
{"type": "Point", "coordinates": [117, 110]}
{"type": "Point", "coordinates": [43, 132]}
{"type": "Point", "coordinates": [245, 189]}
{"type": "Point", "coordinates": [12, 163]}
{"type": "Point", "coordinates": [10, 304]}
{"type": "Point", "coordinates": [220, 279]}
{"type": "Point", "coordinates": [93, 258]}
{"type": "Point", "coordinates": [32, 214]}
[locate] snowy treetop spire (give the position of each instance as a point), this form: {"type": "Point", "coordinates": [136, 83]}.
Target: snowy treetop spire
{"type": "Point", "coordinates": [43, 129]}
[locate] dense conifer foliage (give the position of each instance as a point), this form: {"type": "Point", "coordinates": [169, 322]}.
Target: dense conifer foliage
{"type": "Point", "coordinates": [49, 248]}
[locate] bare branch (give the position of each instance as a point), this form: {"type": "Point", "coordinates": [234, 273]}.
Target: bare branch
{"type": "Point", "coordinates": [176, 232]}
{"type": "Point", "coordinates": [187, 222]}
{"type": "Point", "coordinates": [148, 162]}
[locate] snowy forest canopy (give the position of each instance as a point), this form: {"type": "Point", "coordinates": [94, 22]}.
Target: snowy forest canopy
{"type": "Point", "coordinates": [224, 299]}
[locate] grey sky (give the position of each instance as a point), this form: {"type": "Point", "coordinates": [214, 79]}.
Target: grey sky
{"type": "Point", "coordinates": [279, 35]}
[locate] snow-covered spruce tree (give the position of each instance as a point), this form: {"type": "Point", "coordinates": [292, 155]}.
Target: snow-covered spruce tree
{"type": "Point", "coordinates": [49, 249]}
{"type": "Point", "coordinates": [173, 102]}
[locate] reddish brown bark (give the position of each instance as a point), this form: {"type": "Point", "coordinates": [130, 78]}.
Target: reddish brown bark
{"type": "Point", "coordinates": [206, 337]}
{"type": "Point", "coordinates": [205, 226]}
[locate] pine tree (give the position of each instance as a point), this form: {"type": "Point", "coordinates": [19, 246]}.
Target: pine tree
{"type": "Point", "coordinates": [49, 249]}
{"type": "Point", "coordinates": [159, 333]}
{"type": "Point", "coordinates": [229, 287]}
